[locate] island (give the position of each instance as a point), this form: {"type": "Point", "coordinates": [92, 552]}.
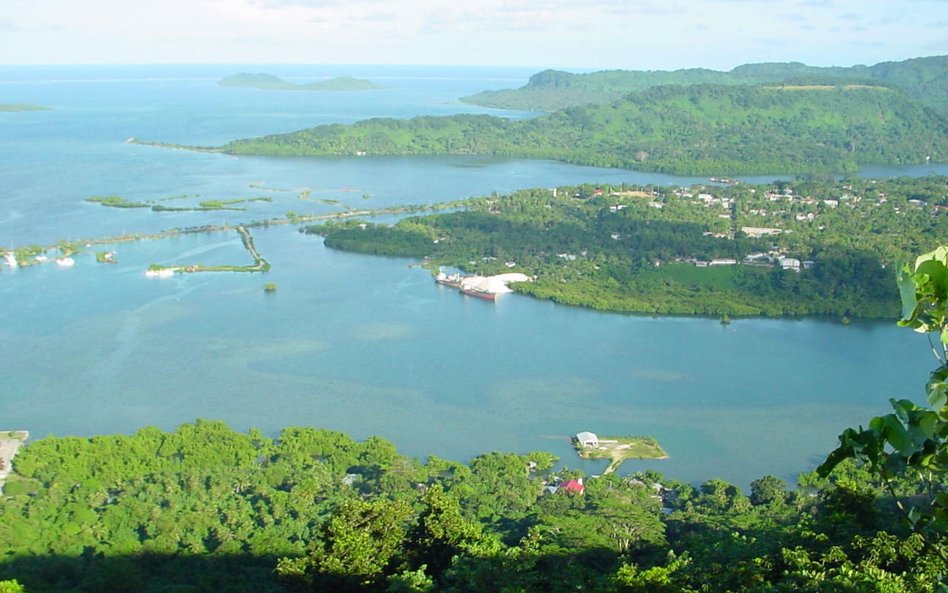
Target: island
{"type": "Point", "coordinates": [275, 83]}
{"type": "Point", "coordinates": [697, 130]}
{"type": "Point", "coordinates": [156, 206]}
{"type": "Point", "coordinates": [16, 107]}
{"type": "Point", "coordinates": [590, 446]}
{"type": "Point", "coordinates": [922, 79]}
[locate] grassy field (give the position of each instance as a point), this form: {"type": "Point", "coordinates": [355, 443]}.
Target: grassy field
{"type": "Point", "coordinates": [618, 449]}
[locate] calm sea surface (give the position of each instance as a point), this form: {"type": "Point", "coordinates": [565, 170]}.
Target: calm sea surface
{"type": "Point", "coordinates": [361, 344]}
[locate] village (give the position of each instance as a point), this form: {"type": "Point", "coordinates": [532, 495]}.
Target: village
{"type": "Point", "coordinates": [731, 210]}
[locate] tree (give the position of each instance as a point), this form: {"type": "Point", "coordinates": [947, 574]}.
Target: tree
{"type": "Point", "coordinates": [768, 490]}
{"type": "Point", "coordinates": [11, 587]}
{"type": "Point", "coordinates": [914, 439]}
{"type": "Point", "coordinates": [358, 544]}
{"type": "Point", "coordinates": [442, 532]}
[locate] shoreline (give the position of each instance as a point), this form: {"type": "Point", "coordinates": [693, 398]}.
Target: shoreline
{"type": "Point", "coordinates": [10, 442]}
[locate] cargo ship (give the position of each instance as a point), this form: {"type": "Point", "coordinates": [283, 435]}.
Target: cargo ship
{"type": "Point", "coordinates": [452, 280]}
{"type": "Point", "coordinates": [481, 287]}
{"type": "Point", "coordinates": [478, 292]}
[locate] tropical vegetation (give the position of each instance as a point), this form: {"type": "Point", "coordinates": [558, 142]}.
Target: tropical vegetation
{"type": "Point", "coordinates": [205, 508]}
{"type": "Point", "coordinates": [695, 130]}
{"type": "Point", "coordinates": [922, 79]}
{"type": "Point", "coordinates": [805, 247]}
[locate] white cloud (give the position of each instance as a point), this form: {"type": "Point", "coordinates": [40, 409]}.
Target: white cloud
{"type": "Point", "coordinates": [595, 33]}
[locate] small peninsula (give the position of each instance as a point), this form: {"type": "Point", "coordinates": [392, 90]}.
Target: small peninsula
{"type": "Point", "coordinates": [829, 248]}
{"type": "Point", "coordinates": [274, 83]}
{"type": "Point", "coordinates": [617, 449]}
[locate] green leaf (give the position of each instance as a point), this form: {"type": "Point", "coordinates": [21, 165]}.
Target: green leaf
{"type": "Point", "coordinates": [927, 422]}
{"type": "Point", "coordinates": [937, 394]}
{"type": "Point", "coordinates": [940, 254]}
{"type": "Point", "coordinates": [836, 457]}
{"type": "Point", "coordinates": [907, 292]}
{"type": "Point", "coordinates": [892, 430]}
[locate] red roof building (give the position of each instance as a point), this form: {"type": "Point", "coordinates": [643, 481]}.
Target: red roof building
{"type": "Point", "coordinates": [573, 486]}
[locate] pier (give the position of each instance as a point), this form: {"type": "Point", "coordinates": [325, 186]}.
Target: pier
{"type": "Point", "coordinates": [259, 264]}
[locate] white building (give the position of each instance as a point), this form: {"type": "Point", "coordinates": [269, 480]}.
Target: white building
{"type": "Point", "coordinates": [587, 439]}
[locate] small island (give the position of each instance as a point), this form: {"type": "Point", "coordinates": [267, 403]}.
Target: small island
{"type": "Point", "coordinates": [16, 107]}
{"type": "Point", "coordinates": [275, 83]}
{"type": "Point", "coordinates": [203, 206]}
{"type": "Point", "coordinates": [618, 449]}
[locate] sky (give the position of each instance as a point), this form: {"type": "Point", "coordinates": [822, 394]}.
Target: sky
{"type": "Point", "coordinates": [578, 34]}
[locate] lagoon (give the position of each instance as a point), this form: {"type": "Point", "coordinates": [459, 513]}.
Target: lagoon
{"type": "Point", "coordinates": [362, 344]}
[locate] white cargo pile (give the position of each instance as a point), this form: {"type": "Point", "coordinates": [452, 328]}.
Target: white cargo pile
{"type": "Point", "coordinates": [493, 284]}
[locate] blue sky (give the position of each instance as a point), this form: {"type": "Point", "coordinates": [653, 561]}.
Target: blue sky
{"type": "Point", "coordinates": [593, 34]}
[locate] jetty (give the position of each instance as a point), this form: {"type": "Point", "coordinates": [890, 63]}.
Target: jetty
{"type": "Point", "coordinates": [617, 449]}
{"type": "Point", "coordinates": [259, 263]}
{"type": "Point", "coordinates": [10, 441]}
{"type": "Point", "coordinates": [34, 254]}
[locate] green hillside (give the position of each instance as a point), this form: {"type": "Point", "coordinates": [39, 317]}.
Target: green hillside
{"type": "Point", "coordinates": [920, 78]}
{"type": "Point", "coordinates": [695, 130]}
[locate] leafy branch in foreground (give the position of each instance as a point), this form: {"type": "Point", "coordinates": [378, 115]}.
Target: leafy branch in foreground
{"type": "Point", "coordinates": [914, 439]}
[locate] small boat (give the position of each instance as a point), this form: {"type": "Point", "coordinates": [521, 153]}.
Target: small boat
{"type": "Point", "coordinates": [65, 262]}
{"type": "Point", "coordinates": [161, 273]}
{"type": "Point", "coordinates": [10, 259]}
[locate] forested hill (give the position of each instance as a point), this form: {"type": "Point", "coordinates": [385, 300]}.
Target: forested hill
{"type": "Point", "coordinates": [695, 130]}
{"type": "Point", "coordinates": [206, 509]}
{"type": "Point", "coordinates": [922, 79]}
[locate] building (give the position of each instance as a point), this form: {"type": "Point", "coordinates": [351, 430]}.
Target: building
{"type": "Point", "coordinates": [572, 486]}
{"type": "Point", "coordinates": [790, 263]}
{"type": "Point", "coordinates": [752, 231]}
{"type": "Point", "coordinates": [587, 439]}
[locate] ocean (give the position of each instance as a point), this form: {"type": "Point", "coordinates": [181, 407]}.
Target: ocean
{"type": "Point", "coordinates": [360, 344]}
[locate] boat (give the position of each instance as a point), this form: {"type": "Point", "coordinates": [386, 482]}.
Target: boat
{"type": "Point", "coordinates": [160, 273]}
{"type": "Point", "coordinates": [65, 262]}
{"type": "Point", "coordinates": [10, 259]}
{"type": "Point", "coordinates": [478, 293]}
{"type": "Point", "coordinates": [452, 280]}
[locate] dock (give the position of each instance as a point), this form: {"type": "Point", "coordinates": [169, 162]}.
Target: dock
{"type": "Point", "coordinates": [617, 449]}
{"type": "Point", "coordinates": [10, 441]}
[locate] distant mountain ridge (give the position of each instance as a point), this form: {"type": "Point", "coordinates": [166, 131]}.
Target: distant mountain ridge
{"type": "Point", "coordinates": [265, 81]}
{"type": "Point", "coordinates": [923, 79]}
{"type": "Point", "coordinates": [685, 130]}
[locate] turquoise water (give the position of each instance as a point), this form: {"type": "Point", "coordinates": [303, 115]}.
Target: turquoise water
{"type": "Point", "coordinates": [361, 344]}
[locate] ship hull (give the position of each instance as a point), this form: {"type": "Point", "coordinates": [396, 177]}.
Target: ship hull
{"type": "Point", "coordinates": [480, 294]}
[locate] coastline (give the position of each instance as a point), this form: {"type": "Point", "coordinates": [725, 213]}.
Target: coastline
{"type": "Point", "coordinates": [10, 442]}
